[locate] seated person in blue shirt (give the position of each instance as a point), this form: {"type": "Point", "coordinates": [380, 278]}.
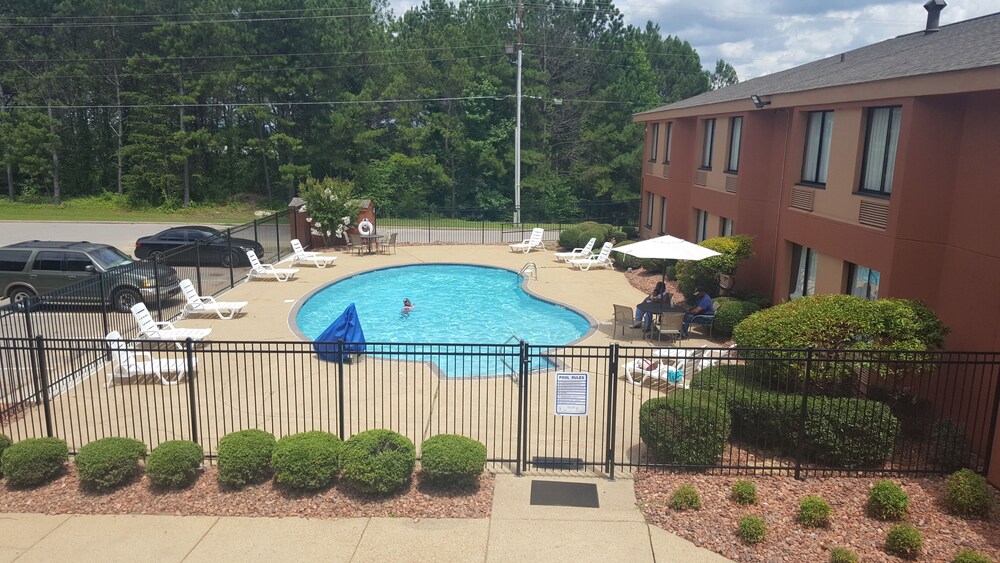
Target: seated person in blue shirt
{"type": "Point", "coordinates": [703, 307]}
{"type": "Point", "coordinates": [644, 319]}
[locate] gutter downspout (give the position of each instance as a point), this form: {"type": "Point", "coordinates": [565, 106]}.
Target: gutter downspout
{"type": "Point", "coordinates": [781, 198]}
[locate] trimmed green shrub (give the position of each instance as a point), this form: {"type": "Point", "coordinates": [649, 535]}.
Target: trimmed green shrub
{"type": "Point", "coordinates": [658, 266]}
{"type": "Point", "coordinates": [685, 497]}
{"type": "Point", "coordinates": [745, 492]}
{"type": "Point", "coordinates": [109, 462]}
{"type": "Point", "coordinates": [174, 464]}
{"type": "Point", "coordinates": [910, 409]}
{"type": "Point", "coordinates": [34, 461]}
{"type": "Point", "coordinates": [968, 556]}
{"type": "Point", "coordinates": [814, 512]}
{"type": "Point", "coordinates": [308, 460]}
{"type": "Point", "coordinates": [733, 251]}
{"type": "Point", "coordinates": [576, 236]}
{"type": "Point", "coordinates": [905, 541]}
{"type": "Point", "coordinates": [245, 457]}
{"type": "Point", "coordinates": [752, 529]}
{"type": "Point", "coordinates": [5, 443]}
{"type": "Point", "coordinates": [729, 313]}
{"type": "Point", "coordinates": [758, 299]}
{"type": "Point", "coordinates": [842, 555]}
{"type": "Point", "coordinates": [887, 501]}
{"type": "Point", "coordinates": [968, 494]}
{"type": "Point", "coordinates": [684, 428]}
{"type": "Point", "coordinates": [949, 449]}
{"type": "Point", "coordinates": [378, 461]}
{"type": "Point", "coordinates": [452, 459]}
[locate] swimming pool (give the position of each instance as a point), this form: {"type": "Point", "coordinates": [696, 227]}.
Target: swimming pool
{"type": "Point", "coordinates": [452, 304]}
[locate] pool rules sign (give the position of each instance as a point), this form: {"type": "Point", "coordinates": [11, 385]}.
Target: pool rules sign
{"type": "Point", "coordinates": [571, 393]}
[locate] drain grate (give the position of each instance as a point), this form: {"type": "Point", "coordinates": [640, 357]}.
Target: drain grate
{"type": "Point", "coordinates": [571, 463]}
{"type": "Point", "coordinates": [561, 493]}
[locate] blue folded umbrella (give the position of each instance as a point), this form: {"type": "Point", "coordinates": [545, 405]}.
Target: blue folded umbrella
{"type": "Point", "coordinates": [346, 329]}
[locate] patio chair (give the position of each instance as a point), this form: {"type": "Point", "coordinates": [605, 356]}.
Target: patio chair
{"type": "Point", "coordinates": [258, 270]}
{"type": "Point", "coordinates": [577, 252]}
{"type": "Point", "coordinates": [670, 326]}
{"type": "Point", "coordinates": [130, 364]}
{"type": "Point", "coordinates": [354, 243]}
{"type": "Point", "coordinates": [153, 330]}
{"type": "Point", "coordinates": [641, 370]}
{"type": "Point", "coordinates": [623, 317]}
{"type": "Point", "coordinates": [389, 243]}
{"type": "Point", "coordinates": [197, 304]}
{"type": "Point", "coordinates": [300, 254]}
{"type": "Point", "coordinates": [531, 243]}
{"type": "Point", "coordinates": [603, 259]}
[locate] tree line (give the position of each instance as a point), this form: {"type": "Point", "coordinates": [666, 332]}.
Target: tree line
{"type": "Point", "coordinates": [209, 102]}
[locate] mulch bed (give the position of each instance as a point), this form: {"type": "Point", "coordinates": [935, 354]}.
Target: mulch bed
{"type": "Point", "coordinates": [714, 526]}
{"type": "Point", "coordinates": [206, 497]}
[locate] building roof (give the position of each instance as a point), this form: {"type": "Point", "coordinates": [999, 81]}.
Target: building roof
{"type": "Point", "coordinates": [963, 45]}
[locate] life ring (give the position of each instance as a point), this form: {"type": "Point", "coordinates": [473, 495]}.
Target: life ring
{"type": "Point", "coordinates": [365, 227]}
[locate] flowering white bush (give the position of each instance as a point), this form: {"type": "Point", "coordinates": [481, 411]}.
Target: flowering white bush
{"type": "Point", "coordinates": [332, 209]}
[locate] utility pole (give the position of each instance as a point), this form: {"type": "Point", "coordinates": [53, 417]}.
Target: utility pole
{"type": "Point", "coordinates": [517, 129]}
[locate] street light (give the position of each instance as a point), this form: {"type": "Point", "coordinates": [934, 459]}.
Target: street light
{"type": "Point", "coordinates": [517, 128]}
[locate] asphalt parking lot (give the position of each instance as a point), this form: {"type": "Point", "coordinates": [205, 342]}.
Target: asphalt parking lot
{"type": "Point", "coordinates": [119, 235]}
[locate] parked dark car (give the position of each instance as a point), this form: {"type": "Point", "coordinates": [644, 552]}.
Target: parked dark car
{"type": "Point", "coordinates": [194, 245]}
{"type": "Point", "coordinates": [48, 268]}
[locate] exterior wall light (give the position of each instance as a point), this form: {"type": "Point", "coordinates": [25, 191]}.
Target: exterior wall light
{"type": "Point", "coordinates": [759, 103]}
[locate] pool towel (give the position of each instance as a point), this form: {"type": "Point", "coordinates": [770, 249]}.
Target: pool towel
{"type": "Point", "coordinates": [347, 329]}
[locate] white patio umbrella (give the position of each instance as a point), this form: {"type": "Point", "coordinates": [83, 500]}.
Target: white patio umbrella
{"type": "Point", "coordinates": [666, 248]}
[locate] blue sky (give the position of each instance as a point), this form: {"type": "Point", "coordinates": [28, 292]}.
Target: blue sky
{"type": "Point", "coordinates": [764, 36]}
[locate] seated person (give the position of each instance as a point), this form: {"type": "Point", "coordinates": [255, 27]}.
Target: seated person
{"type": "Point", "coordinates": [644, 319]}
{"type": "Point", "coordinates": [703, 307]}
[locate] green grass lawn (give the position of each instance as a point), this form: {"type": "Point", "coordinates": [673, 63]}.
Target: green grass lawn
{"type": "Point", "coordinates": [91, 209]}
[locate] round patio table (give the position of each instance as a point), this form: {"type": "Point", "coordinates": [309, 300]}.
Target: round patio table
{"type": "Point", "coordinates": [369, 239]}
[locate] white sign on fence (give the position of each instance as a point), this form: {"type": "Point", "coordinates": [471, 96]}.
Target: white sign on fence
{"type": "Point", "coordinates": [571, 393]}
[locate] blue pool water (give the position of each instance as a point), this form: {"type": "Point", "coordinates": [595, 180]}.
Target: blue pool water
{"type": "Point", "coordinates": [451, 304]}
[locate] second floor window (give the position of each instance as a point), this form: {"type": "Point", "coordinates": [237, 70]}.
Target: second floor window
{"type": "Point", "coordinates": [735, 135]}
{"type": "Point", "coordinates": [670, 135]}
{"type": "Point", "coordinates": [881, 138]}
{"type": "Point", "coordinates": [655, 142]}
{"type": "Point", "coordinates": [701, 225]}
{"type": "Point", "coordinates": [706, 148]}
{"type": "Point", "coordinates": [816, 162]}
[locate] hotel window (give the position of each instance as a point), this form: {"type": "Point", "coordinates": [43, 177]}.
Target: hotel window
{"type": "Point", "coordinates": [735, 135]}
{"type": "Point", "coordinates": [816, 162]}
{"type": "Point", "coordinates": [881, 137]}
{"type": "Point", "coordinates": [655, 143]}
{"type": "Point", "coordinates": [802, 280]}
{"type": "Point", "coordinates": [663, 215]}
{"type": "Point", "coordinates": [725, 227]}
{"type": "Point", "coordinates": [649, 210]}
{"type": "Point", "coordinates": [706, 147]}
{"type": "Point", "coordinates": [862, 282]}
{"type": "Point", "coordinates": [670, 137]}
{"type": "Point", "coordinates": [701, 225]}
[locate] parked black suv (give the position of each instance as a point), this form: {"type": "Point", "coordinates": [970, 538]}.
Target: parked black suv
{"type": "Point", "coordinates": [44, 267]}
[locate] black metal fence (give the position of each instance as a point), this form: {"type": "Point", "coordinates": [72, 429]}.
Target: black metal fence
{"type": "Point", "coordinates": [473, 226]}
{"type": "Point", "coordinates": [604, 408]}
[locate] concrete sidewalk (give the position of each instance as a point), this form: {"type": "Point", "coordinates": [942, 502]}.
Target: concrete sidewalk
{"type": "Point", "coordinates": [517, 531]}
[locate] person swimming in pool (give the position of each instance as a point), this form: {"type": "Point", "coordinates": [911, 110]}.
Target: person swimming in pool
{"type": "Point", "coordinates": [407, 307]}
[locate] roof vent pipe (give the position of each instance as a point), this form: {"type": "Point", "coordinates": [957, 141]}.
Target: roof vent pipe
{"type": "Point", "coordinates": [933, 8]}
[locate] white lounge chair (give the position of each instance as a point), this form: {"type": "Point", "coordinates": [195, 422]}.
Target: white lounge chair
{"type": "Point", "coordinates": [129, 364]}
{"type": "Point", "coordinates": [641, 370]}
{"type": "Point", "coordinates": [153, 330]}
{"type": "Point", "coordinates": [197, 304]}
{"type": "Point", "coordinates": [577, 252]}
{"type": "Point", "coordinates": [531, 243]}
{"type": "Point", "coordinates": [258, 270]}
{"type": "Point", "coordinates": [303, 255]}
{"type": "Point", "coordinates": [603, 259]}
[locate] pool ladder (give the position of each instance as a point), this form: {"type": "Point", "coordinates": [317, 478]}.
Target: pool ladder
{"type": "Point", "coordinates": [529, 267]}
{"type": "Point", "coordinates": [514, 370]}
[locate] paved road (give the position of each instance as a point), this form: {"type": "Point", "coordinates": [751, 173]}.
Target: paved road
{"type": "Point", "coordinates": [120, 235]}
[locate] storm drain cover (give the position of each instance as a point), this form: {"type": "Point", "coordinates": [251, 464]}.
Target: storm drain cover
{"type": "Point", "coordinates": [561, 493]}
